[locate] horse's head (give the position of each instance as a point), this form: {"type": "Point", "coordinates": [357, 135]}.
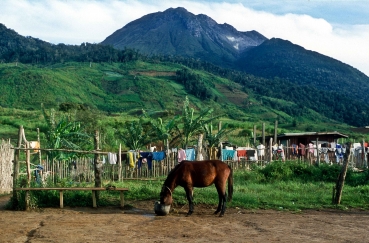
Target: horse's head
{"type": "Point", "coordinates": [166, 196]}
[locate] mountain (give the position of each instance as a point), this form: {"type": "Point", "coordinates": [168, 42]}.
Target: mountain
{"type": "Point", "coordinates": [179, 32]}
{"type": "Point", "coordinates": [272, 80]}
{"type": "Point", "coordinates": [285, 60]}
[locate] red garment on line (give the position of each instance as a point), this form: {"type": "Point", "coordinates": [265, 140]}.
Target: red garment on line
{"type": "Point", "coordinates": [241, 153]}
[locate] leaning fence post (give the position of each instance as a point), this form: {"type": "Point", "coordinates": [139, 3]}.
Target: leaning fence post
{"type": "Point", "coordinates": [341, 178]}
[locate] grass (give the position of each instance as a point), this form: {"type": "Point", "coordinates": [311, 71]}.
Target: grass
{"type": "Point", "coordinates": [252, 190]}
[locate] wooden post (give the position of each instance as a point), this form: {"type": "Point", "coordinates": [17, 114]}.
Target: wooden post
{"type": "Point", "coordinates": [270, 149]}
{"type": "Point", "coordinates": [15, 201]}
{"type": "Point", "coordinates": [317, 152]}
{"type": "Point", "coordinates": [121, 199]}
{"type": "Point", "coordinates": [28, 162]}
{"type": "Point", "coordinates": [275, 130]}
{"type": "Point", "coordinates": [120, 163]}
{"type": "Point", "coordinates": [365, 162]}
{"type": "Point", "coordinates": [199, 147]}
{"type": "Point", "coordinates": [61, 198]}
{"type": "Point", "coordinates": [97, 163]}
{"type": "Point", "coordinates": [341, 178]}
{"type": "Point", "coordinates": [263, 134]}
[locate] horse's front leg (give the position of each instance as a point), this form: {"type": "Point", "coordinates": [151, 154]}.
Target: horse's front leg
{"type": "Point", "coordinates": [189, 195]}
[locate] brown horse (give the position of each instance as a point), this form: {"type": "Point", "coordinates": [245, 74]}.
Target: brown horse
{"type": "Point", "coordinates": [190, 174]}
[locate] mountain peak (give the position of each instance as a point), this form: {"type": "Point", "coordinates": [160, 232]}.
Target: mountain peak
{"type": "Point", "coordinates": [176, 31]}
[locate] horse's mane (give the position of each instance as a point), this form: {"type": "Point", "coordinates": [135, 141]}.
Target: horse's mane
{"type": "Point", "coordinates": [171, 174]}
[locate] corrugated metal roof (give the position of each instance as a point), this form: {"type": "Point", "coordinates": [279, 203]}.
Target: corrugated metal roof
{"type": "Point", "coordinates": [312, 134]}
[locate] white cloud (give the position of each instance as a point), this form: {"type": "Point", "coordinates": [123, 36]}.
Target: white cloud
{"type": "Point", "coordinates": [74, 22]}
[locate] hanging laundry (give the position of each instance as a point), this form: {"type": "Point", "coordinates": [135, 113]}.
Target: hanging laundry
{"type": "Point", "coordinates": [241, 154]}
{"type": "Point", "coordinates": [158, 156]}
{"type": "Point", "coordinates": [261, 149]}
{"type": "Point", "coordinates": [181, 155]}
{"type": "Point", "coordinates": [148, 157]}
{"type": "Point", "coordinates": [302, 149]}
{"type": "Point", "coordinates": [35, 145]}
{"type": "Point", "coordinates": [131, 160]}
{"type": "Point", "coordinates": [228, 154]}
{"type": "Point", "coordinates": [294, 149]}
{"type": "Point", "coordinates": [112, 158]}
{"type": "Point", "coordinates": [251, 154]}
{"type": "Point", "coordinates": [190, 154]}
{"type": "Point", "coordinates": [339, 152]}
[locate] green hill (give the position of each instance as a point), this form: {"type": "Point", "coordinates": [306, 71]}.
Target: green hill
{"type": "Point", "coordinates": [119, 91]}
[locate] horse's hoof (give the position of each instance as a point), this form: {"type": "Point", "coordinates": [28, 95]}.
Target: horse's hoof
{"type": "Point", "coordinates": [221, 215]}
{"type": "Point", "coordinates": [189, 214]}
{"type": "Point", "coordinates": [216, 212]}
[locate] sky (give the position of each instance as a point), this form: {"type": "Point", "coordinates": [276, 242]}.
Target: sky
{"type": "Point", "coordinates": [335, 28]}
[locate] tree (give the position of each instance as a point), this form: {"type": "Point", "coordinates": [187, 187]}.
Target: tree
{"type": "Point", "coordinates": [191, 125]}
{"type": "Point", "coordinates": [213, 138]}
{"type": "Point", "coordinates": [64, 134]}
{"type": "Point", "coordinates": [134, 134]}
{"type": "Point", "coordinates": [164, 131]}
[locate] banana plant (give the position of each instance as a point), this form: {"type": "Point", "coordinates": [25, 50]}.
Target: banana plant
{"type": "Point", "coordinates": [134, 134]}
{"type": "Point", "coordinates": [214, 138]}
{"type": "Point", "coordinates": [65, 134]}
{"type": "Point", "coordinates": [191, 125]}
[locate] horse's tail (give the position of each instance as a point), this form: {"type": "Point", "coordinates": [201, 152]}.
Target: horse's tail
{"type": "Point", "coordinates": [230, 184]}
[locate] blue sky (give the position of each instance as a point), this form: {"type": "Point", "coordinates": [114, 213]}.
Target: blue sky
{"type": "Point", "coordinates": [339, 29]}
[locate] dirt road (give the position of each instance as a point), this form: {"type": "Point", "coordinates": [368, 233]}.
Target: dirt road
{"type": "Point", "coordinates": [139, 224]}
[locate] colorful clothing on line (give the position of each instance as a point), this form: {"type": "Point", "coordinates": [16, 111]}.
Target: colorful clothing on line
{"type": "Point", "coordinates": [241, 153]}
{"type": "Point", "coordinates": [228, 154]}
{"type": "Point", "coordinates": [112, 158]}
{"type": "Point", "coordinates": [190, 154]}
{"type": "Point", "coordinates": [158, 156]}
{"type": "Point", "coordinates": [131, 160]}
{"type": "Point", "coordinates": [181, 155]}
{"type": "Point", "coordinates": [148, 157]}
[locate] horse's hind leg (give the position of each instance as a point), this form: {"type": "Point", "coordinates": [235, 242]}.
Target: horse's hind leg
{"type": "Point", "coordinates": [222, 195]}
{"type": "Point", "coordinates": [224, 201]}
{"type": "Point", "coordinates": [189, 195]}
{"type": "Point", "coordinates": [219, 204]}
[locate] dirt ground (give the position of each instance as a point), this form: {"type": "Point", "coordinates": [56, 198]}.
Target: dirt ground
{"type": "Point", "coordinates": [139, 224]}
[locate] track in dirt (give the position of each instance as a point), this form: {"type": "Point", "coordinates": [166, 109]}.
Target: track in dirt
{"type": "Point", "coordinates": [139, 224]}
